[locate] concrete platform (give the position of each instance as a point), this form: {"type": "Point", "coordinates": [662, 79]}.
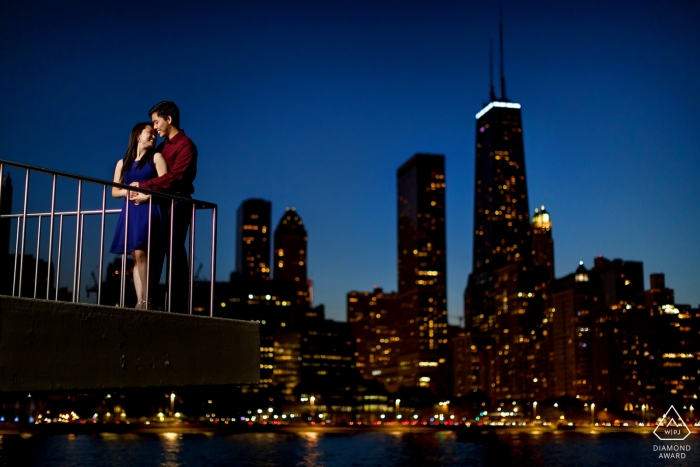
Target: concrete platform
{"type": "Point", "coordinates": [48, 346]}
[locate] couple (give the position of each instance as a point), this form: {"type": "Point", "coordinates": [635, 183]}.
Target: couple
{"type": "Point", "coordinates": [169, 168]}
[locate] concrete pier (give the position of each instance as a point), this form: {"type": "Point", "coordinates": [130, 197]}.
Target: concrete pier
{"type": "Point", "coordinates": [46, 345]}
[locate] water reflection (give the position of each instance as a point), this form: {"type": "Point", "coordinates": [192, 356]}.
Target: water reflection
{"type": "Point", "coordinates": [171, 444]}
{"type": "Point", "coordinates": [348, 449]}
{"type": "Point", "coordinates": [311, 450]}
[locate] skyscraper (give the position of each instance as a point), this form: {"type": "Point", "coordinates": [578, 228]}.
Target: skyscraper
{"type": "Point", "coordinates": [502, 233]}
{"type": "Point", "coordinates": [542, 243]}
{"type": "Point", "coordinates": [421, 266]}
{"type": "Point", "coordinates": [374, 326]}
{"type": "Point", "coordinates": [253, 239]}
{"type": "Point", "coordinates": [290, 254]}
{"type": "Point", "coordinates": [575, 327]}
{"type": "Point", "coordinates": [506, 290]}
{"type": "Point", "coordinates": [421, 244]}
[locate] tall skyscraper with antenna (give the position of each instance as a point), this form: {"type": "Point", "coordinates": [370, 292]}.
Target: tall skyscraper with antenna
{"type": "Point", "coordinates": [502, 233]}
{"type": "Point", "coordinates": [503, 298]}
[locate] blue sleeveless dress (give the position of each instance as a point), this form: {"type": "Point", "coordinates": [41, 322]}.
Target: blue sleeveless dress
{"type": "Point", "coordinates": [138, 215]}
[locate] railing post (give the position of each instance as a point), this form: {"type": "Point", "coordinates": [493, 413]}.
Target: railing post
{"type": "Point", "coordinates": [102, 245]}
{"type": "Point", "coordinates": [148, 251]}
{"type": "Point", "coordinates": [212, 280]}
{"type": "Point", "coordinates": [76, 293]}
{"type": "Point", "coordinates": [36, 264]}
{"type": "Point", "coordinates": [126, 235]}
{"type": "Point", "coordinates": [14, 270]}
{"type": "Point", "coordinates": [2, 167]}
{"type": "Point", "coordinates": [191, 302]}
{"type": "Point", "coordinates": [170, 257]}
{"type": "Point", "coordinates": [80, 257]}
{"type": "Point", "coordinates": [58, 257]}
{"type": "Point", "coordinates": [24, 231]}
{"type": "Point", "coordinates": [51, 217]}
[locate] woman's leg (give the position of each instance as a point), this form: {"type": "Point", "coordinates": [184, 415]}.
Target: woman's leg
{"type": "Point", "coordinates": [139, 275]}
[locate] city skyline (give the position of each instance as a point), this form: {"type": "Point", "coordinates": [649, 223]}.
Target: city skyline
{"type": "Point", "coordinates": [341, 117]}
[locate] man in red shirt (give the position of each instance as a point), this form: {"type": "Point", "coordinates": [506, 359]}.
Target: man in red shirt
{"type": "Point", "coordinates": [180, 154]}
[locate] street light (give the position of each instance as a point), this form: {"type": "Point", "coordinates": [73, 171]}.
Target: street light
{"type": "Point", "coordinates": [593, 413]}
{"type": "Point", "coordinates": [172, 403]}
{"type": "Point", "coordinates": [534, 410]}
{"type": "Point", "coordinates": [398, 401]}
{"type": "Point", "coordinates": [311, 401]}
{"type": "Point", "coordinates": [691, 414]}
{"type": "Point", "coordinates": [644, 418]}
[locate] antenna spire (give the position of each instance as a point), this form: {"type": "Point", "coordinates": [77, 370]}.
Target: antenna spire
{"type": "Point", "coordinates": [492, 95]}
{"type": "Point", "coordinates": [503, 78]}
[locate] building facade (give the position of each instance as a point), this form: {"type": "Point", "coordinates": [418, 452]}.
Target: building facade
{"type": "Point", "coordinates": [253, 239]}
{"type": "Point", "coordinates": [289, 262]}
{"type": "Point", "coordinates": [422, 298]}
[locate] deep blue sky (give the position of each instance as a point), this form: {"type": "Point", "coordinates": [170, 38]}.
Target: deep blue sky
{"type": "Point", "coordinates": [315, 105]}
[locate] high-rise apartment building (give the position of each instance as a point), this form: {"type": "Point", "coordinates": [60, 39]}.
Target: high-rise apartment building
{"type": "Point", "coordinates": [422, 299]}
{"type": "Point", "coordinates": [253, 239]}
{"type": "Point", "coordinates": [373, 317]}
{"type": "Point", "coordinates": [576, 328]}
{"type": "Point", "coordinates": [289, 262]}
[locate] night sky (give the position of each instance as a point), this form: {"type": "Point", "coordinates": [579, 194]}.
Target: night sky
{"type": "Point", "coordinates": [316, 104]}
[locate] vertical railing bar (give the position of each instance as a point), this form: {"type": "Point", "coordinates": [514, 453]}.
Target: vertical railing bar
{"type": "Point", "coordinates": [24, 232]}
{"type": "Point", "coordinates": [148, 251]}
{"type": "Point", "coordinates": [36, 264]}
{"type": "Point", "coordinates": [122, 294]}
{"type": "Point", "coordinates": [51, 217]}
{"type": "Point", "coordinates": [102, 245]}
{"type": "Point", "coordinates": [14, 270]}
{"type": "Point", "coordinates": [77, 241]}
{"type": "Point", "coordinates": [80, 257]}
{"type": "Point", "coordinates": [170, 257]}
{"type": "Point", "coordinates": [2, 168]}
{"type": "Point", "coordinates": [58, 258]}
{"type": "Point", "coordinates": [192, 259]}
{"type": "Point", "coordinates": [212, 279]}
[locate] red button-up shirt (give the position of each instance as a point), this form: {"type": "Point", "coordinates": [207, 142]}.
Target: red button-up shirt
{"type": "Point", "coordinates": [180, 154]}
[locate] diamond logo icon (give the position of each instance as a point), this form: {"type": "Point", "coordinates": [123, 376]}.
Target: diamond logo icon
{"type": "Point", "coordinates": [672, 427]}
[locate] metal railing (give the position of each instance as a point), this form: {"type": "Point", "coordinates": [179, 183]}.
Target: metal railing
{"type": "Point", "coordinates": [80, 214]}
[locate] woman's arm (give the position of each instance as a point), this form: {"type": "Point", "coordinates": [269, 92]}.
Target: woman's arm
{"type": "Point", "coordinates": [161, 166]}
{"type": "Point", "coordinates": [118, 192]}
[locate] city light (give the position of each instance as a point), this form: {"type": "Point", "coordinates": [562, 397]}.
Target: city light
{"type": "Point", "coordinates": [510, 105]}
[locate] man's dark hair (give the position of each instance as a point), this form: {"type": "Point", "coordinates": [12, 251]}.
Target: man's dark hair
{"type": "Point", "coordinates": [167, 109]}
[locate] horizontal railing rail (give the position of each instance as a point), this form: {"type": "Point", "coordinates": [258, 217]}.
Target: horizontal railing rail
{"type": "Point", "coordinates": [80, 214]}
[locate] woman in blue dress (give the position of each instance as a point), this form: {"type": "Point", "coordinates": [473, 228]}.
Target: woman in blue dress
{"type": "Point", "coordinates": [141, 163]}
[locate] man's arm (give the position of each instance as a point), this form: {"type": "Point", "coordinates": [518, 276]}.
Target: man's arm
{"type": "Point", "coordinates": [176, 172]}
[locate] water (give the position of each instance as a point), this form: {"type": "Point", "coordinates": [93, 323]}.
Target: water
{"type": "Point", "coordinates": [363, 449]}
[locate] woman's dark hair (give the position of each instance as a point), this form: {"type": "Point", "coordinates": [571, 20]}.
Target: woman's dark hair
{"type": "Point", "coordinates": [132, 149]}
{"type": "Point", "coordinates": [167, 109]}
